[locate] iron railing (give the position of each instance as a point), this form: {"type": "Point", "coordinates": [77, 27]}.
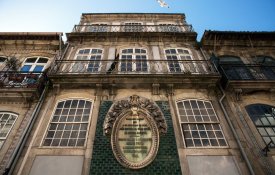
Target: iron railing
{"type": "Point", "coordinates": [16, 79]}
{"type": "Point", "coordinates": [133, 28]}
{"type": "Point", "coordinates": [194, 67]}
{"type": "Point", "coordinates": [247, 72]}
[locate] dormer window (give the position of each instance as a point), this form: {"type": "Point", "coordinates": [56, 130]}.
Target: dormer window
{"type": "Point", "coordinates": [34, 64]}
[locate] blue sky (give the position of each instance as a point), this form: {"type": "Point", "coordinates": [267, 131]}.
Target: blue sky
{"type": "Point", "coordinates": [62, 15]}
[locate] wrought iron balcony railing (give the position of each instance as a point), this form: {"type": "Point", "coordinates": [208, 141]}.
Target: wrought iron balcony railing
{"type": "Point", "coordinates": [247, 72]}
{"type": "Point", "coordinates": [133, 28]}
{"type": "Point", "coordinates": [194, 67]}
{"type": "Point", "coordinates": [17, 79]}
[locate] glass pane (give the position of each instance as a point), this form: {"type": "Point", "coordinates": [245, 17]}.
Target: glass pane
{"type": "Point", "coordinates": [42, 60]}
{"type": "Point", "coordinates": [30, 60]}
{"type": "Point", "coordinates": [38, 68]}
{"type": "Point", "coordinates": [26, 68]}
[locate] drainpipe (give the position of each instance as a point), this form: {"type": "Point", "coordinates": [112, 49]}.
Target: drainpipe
{"type": "Point", "coordinates": [235, 133]}
{"type": "Point", "coordinates": [19, 147]}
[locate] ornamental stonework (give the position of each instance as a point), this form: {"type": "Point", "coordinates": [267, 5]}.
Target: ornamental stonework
{"type": "Point", "coordinates": [134, 126]}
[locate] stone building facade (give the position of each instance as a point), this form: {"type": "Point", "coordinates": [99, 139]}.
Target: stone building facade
{"type": "Point", "coordinates": [137, 94]}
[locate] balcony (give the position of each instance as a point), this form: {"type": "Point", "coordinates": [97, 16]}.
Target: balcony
{"type": "Point", "coordinates": [137, 72]}
{"type": "Point", "coordinates": [21, 85]}
{"type": "Point", "coordinates": [133, 28]}
{"type": "Point", "coordinates": [248, 76]}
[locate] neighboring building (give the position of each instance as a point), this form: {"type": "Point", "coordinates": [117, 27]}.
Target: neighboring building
{"type": "Point", "coordinates": [246, 61]}
{"type": "Point", "coordinates": [135, 93]}
{"type": "Point", "coordinates": [24, 59]}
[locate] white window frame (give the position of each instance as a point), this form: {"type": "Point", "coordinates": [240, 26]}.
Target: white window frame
{"type": "Point", "coordinates": [179, 60]}
{"type": "Point", "coordinates": [134, 60]}
{"type": "Point", "coordinates": [11, 114]}
{"type": "Point", "coordinates": [53, 114]}
{"type": "Point", "coordinates": [33, 65]}
{"type": "Point", "coordinates": [209, 123]}
{"type": "Point", "coordinates": [85, 65]}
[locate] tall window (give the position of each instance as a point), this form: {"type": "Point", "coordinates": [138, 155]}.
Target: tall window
{"type": "Point", "coordinates": [69, 123]}
{"type": "Point", "coordinates": [7, 121]}
{"type": "Point", "coordinates": [92, 63]}
{"type": "Point", "coordinates": [265, 68]}
{"type": "Point", "coordinates": [133, 60]}
{"type": "Point", "coordinates": [176, 60]}
{"type": "Point", "coordinates": [234, 68]}
{"type": "Point", "coordinates": [199, 124]}
{"type": "Point", "coordinates": [34, 64]}
{"type": "Point", "coordinates": [133, 27]}
{"type": "Point", "coordinates": [263, 117]}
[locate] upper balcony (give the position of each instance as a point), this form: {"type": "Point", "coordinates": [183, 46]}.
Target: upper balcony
{"type": "Point", "coordinates": [248, 76]}
{"type": "Point", "coordinates": [24, 85]}
{"type": "Point", "coordinates": [133, 27]}
{"type": "Point", "coordinates": [139, 73]}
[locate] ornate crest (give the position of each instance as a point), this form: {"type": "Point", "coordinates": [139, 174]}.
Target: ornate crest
{"type": "Point", "coordinates": [134, 125]}
{"type": "Point", "coordinates": [143, 104]}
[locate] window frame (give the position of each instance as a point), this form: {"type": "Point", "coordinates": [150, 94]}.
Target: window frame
{"type": "Point", "coordinates": [134, 60]}
{"type": "Point", "coordinates": [204, 123]}
{"type": "Point", "coordinates": [52, 116]}
{"type": "Point", "coordinates": [35, 64]}
{"type": "Point", "coordinates": [16, 117]}
{"type": "Point", "coordinates": [85, 65]}
{"type": "Point", "coordinates": [263, 126]}
{"type": "Point", "coordinates": [179, 60]}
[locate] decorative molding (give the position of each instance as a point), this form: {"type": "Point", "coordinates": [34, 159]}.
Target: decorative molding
{"type": "Point", "coordinates": [272, 94]}
{"type": "Point", "coordinates": [155, 89]}
{"type": "Point", "coordinates": [134, 125]}
{"type": "Point", "coordinates": [98, 89]}
{"type": "Point", "coordinates": [170, 89]}
{"type": "Point", "coordinates": [143, 104]}
{"type": "Point", "coordinates": [238, 94]}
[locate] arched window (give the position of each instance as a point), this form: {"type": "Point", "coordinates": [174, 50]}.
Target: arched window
{"type": "Point", "coordinates": [176, 60]}
{"type": "Point", "coordinates": [265, 60]}
{"type": "Point", "coordinates": [7, 121]}
{"type": "Point", "coordinates": [34, 64]}
{"type": "Point", "coordinates": [69, 124]}
{"type": "Point", "coordinates": [263, 116]}
{"type": "Point", "coordinates": [133, 60]}
{"type": "Point", "coordinates": [2, 59]}
{"type": "Point", "coordinates": [234, 68]}
{"type": "Point", "coordinates": [93, 57]}
{"type": "Point", "coordinates": [200, 125]}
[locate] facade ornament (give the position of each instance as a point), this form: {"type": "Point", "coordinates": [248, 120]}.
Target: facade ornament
{"type": "Point", "coordinates": [144, 104]}
{"type": "Point", "coordinates": [134, 125]}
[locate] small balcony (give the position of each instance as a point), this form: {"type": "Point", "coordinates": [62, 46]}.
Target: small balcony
{"type": "Point", "coordinates": [15, 84]}
{"type": "Point", "coordinates": [248, 76]}
{"type": "Point", "coordinates": [133, 28]}
{"type": "Point", "coordinates": [138, 72]}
